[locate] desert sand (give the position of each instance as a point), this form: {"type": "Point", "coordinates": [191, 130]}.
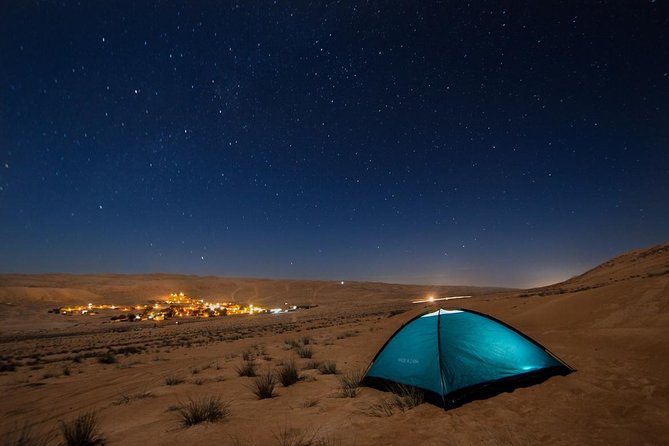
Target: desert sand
{"type": "Point", "coordinates": [611, 324]}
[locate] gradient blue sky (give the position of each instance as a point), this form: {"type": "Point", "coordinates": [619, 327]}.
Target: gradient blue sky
{"type": "Point", "coordinates": [420, 143]}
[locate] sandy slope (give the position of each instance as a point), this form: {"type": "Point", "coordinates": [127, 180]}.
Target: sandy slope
{"type": "Point", "coordinates": [611, 324]}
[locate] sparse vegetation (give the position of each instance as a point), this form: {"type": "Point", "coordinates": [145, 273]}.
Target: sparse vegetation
{"type": "Point", "coordinates": [125, 398]}
{"type": "Point", "coordinates": [24, 436]}
{"type": "Point", "coordinates": [173, 380]}
{"type": "Point", "coordinates": [129, 350]}
{"type": "Point", "coordinates": [392, 313]}
{"type": "Point", "coordinates": [263, 386]}
{"type": "Point", "coordinates": [287, 436]}
{"type": "Point", "coordinates": [311, 365]}
{"type": "Point", "coordinates": [310, 402]}
{"type": "Point", "coordinates": [305, 351]}
{"type": "Point", "coordinates": [7, 367]}
{"type": "Point", "coordinates": [82, 431]}
{"type": "Point", "coordinates": [107, 358]}
{"type": "Point", "coordinates": [349, 383]}
{"type": "Point", "coordinates": [348, 334]}
{"type": "Point", "coordinates": [403, 398]}
{"type": "Point", "coordinates": [247, 369]}
{"type": "Point", "coordinates": [382, 408]}
{"type": "Point", "coordinates": [204, 410]}
{"type": "Point", "coordinates": [328, 368]}
{"type": "Point", "coordinates": [407, 397]}
{"type": "Point", "coordinates": [288, 374]}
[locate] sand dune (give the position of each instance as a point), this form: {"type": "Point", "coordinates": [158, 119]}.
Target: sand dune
{"type": "Point", "coordinates": [611, 324]}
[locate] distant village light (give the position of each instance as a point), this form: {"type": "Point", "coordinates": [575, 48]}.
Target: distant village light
{"type": "Point", "coordinates": [176, 305]}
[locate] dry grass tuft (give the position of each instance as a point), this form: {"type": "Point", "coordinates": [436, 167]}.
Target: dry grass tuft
{"type": "Point", "coordinates": [349, 383]}
{"type": "Point", "coordinates": [407, 397]}
{"type": "Point", "coordinates": [82, 431]}
{"type": "Point", "coordinates": [125, 398]}
{"type": "Point", "coordinates": [404, 398]}
{"type": "Point", "coordinates": [328, 368]}
{"type": "Point", "coordinates": [107, 358]}
{"type": "Point", "coordinates": [311, 365]}
{"type": "Point", "coordinates": [173, 380]}
{"type": "Point", "coordinates": [310, 402]}
{"type": "Point", "coordinates": [263, 386]}
{"type": "Point", "coordinates": [287, 436]}
{"type": "Point", "coordinates": [309, 437]}
{"type": "Point", "coordinates": [305, 352]}
{"type": "Point", "coordinates": [204, 410]}
{"type": "Point", "coordinates": [288, 374]}
{"type": "Point", "coordinates": [247, 369]}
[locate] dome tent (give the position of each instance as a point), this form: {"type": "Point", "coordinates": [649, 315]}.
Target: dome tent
{"type": "Point", "coordinates": [459, 355]}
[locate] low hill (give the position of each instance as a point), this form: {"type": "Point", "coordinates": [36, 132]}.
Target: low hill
{"type": "Point", "coordinates": [129, 289]}
{"type": "Point", "coordinates": [641, 263]}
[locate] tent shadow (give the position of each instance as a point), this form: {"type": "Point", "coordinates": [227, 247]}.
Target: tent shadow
{"type": "Point", "coordinates": [478, 392]}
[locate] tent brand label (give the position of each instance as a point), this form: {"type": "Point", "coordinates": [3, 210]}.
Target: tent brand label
{"type": "Point", "coordinates": [408, 360]}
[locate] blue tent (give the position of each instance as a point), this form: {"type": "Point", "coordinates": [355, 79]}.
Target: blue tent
{"type": "Point", "coordinates": [459, 355]}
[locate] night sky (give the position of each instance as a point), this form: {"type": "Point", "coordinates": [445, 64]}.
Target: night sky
{"type": "Point", "coordinates": [414, 142]}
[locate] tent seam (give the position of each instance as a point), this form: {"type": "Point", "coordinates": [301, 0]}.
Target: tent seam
{"type": "Point", "coordinates": [441, 374]}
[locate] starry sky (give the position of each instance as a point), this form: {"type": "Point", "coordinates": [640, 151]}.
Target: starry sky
{"type": "Point", "coordinates": [413, 142]}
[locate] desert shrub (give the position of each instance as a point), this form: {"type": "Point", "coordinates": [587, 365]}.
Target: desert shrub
{"type": "Point", "coordinates": [349, 383]}
{"type": "Point", "coordinates": [247, 369]}
{"type": "Point", "coordinates": [328, 368]}
{"type": "Point", "coordinates": [82, 431]}
{"type": "Point", "coordinates": [292, 343]}
{"type": "Point", "coordinates": [305, 351]}
{"type": "Point", "coordinates": [263, 386]}
{"type": "Point", "coordinates": [305, 340]}
{"type": "Point", "coordinates": [173, 380]}
{"type": "Point", "coordinates": [207, 409]}
{"type": "Point", "coordinates": [107, 358]}
{"type": "Point", "coordinates": [247, 355]}
{"type": "Point", "coordinates": [288, 374]}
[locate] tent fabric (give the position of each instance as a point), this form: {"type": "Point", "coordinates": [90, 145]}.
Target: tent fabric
{"type": "Point", "coordinates": [452, 353]}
